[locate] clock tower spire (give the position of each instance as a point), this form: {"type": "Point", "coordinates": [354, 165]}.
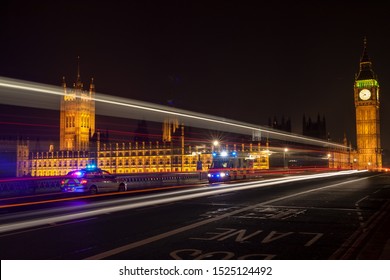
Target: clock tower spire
{"type": "Point", "coordinates": [365, 70]}
{"type": "Point", "coordinates": [366, 96]}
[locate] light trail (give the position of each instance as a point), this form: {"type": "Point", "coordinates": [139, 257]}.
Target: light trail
{"type": "Point", "coordinates": [87, 196]}
{"type": "Point", "coordinates": [133, 203]}
{"type": "Point", "coordinates": [47, 97]}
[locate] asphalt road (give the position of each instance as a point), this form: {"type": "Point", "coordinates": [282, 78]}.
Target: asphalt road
{"type": "Point", "coordinates": [293, 218]}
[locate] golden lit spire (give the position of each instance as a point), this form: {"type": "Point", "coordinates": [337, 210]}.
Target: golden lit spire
{"type": "Point", "coordinates": [78, 68]}
{"type": "Point", "coordinates": [78, 84]}
{"type": "Point", "coordinates": [91, 87]}
{"type": "Point", "coordinates": [365, 57]}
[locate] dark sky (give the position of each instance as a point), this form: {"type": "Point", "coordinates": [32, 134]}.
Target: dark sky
{"type": "Point", "coordinates": [243, 60]}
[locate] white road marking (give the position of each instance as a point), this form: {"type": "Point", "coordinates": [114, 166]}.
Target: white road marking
{"type": "Point", "coordinates": [143, 242]}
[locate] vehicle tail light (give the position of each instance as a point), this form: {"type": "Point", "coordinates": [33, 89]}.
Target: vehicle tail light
{"type": "Point", "coordinates": [83, 182]}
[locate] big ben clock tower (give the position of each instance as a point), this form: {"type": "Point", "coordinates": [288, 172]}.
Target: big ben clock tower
{"type": "Point", "coordinates": [366, 95]}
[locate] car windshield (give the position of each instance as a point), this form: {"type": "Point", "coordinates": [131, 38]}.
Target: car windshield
{"type": "Point", "coordinates": [219, 164]}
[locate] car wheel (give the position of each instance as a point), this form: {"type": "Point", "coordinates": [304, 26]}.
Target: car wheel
{"type": "Point", "coordinates": [93, 190]}
{"type": "Point", "coordinates": [122, 188]}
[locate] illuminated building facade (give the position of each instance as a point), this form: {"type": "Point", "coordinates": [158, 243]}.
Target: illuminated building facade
{"type": "Point", "coordinates": [366, 96]}
{"type": "Point", "coordinates": [77, 116]}
{"type": "Point", "coordinates": [133, 157]}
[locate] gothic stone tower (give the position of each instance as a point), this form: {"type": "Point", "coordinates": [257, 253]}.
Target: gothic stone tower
{"type": "Point", "coordinates": [77, 116]}
{"type": "Point", "coordinates": [366, 95]}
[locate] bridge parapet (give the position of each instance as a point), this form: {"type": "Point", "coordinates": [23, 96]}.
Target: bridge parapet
{"type": "Point", "coordinates": [29, 186]}
{"type": "Point", "coordinates": [39, 185]}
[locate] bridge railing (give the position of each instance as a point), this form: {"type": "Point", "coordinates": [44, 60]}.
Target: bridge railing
{"type": "Point", "coordinates": [27, 186]}
{"type": "Point", "coordinates": [38, 185]}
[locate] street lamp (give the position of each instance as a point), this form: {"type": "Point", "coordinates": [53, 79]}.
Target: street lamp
{"type": "Point", "coordinates": [284, 157]}
{"type": "Point", "coordinates": [215, 144]}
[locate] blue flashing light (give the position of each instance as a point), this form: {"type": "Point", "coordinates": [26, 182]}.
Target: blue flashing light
{"type": "Point", "coordinates": [91, 166]}
{"type": "Point", "coordinates": [214, 154]}
{"type": "Point", "coordinates": [234, 154]}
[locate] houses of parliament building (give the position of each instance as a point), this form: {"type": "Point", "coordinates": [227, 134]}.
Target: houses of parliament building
{"type": "Point", "coordinates": [82, 145]}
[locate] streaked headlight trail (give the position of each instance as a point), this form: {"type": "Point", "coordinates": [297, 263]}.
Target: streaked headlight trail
{"type": "Point", "coordinates": [133, 203]}
{"type": "Point", "coordinates": [47, 98]}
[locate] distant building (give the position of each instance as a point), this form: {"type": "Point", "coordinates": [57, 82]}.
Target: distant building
{"type": "Point", "coordinates": [315, 129]}
{"type": "Point", "coordinates": [284, 124]}
{"type": "Point", "coordinates": [14, 153]}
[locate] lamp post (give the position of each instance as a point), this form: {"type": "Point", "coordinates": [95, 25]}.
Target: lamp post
{"type": "Point", "coordinates": [378, 153]}
{"type": "Point", "coordinates": [284, 157]}
{"type": "Point", "coordinates": [199, 164]}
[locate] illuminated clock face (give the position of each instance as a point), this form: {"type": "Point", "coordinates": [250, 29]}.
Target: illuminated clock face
{"type": "Point", "coordinates": [364, 94]}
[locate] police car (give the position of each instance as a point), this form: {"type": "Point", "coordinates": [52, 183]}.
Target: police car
{"type": "Point", "coordinates": [91, 180]}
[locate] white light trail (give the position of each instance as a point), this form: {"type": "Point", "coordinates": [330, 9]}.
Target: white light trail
{"type": "Point", "coordinates": [163, 198]}
{"type": "Point", "coordinates": [28, 94]}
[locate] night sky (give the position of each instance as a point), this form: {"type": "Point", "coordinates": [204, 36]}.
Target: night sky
{"type": "Point", "coordinates": [243, 60]}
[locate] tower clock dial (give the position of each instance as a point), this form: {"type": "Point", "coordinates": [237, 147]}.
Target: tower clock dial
{"type": "Point", "coordinates": [365, 94]}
